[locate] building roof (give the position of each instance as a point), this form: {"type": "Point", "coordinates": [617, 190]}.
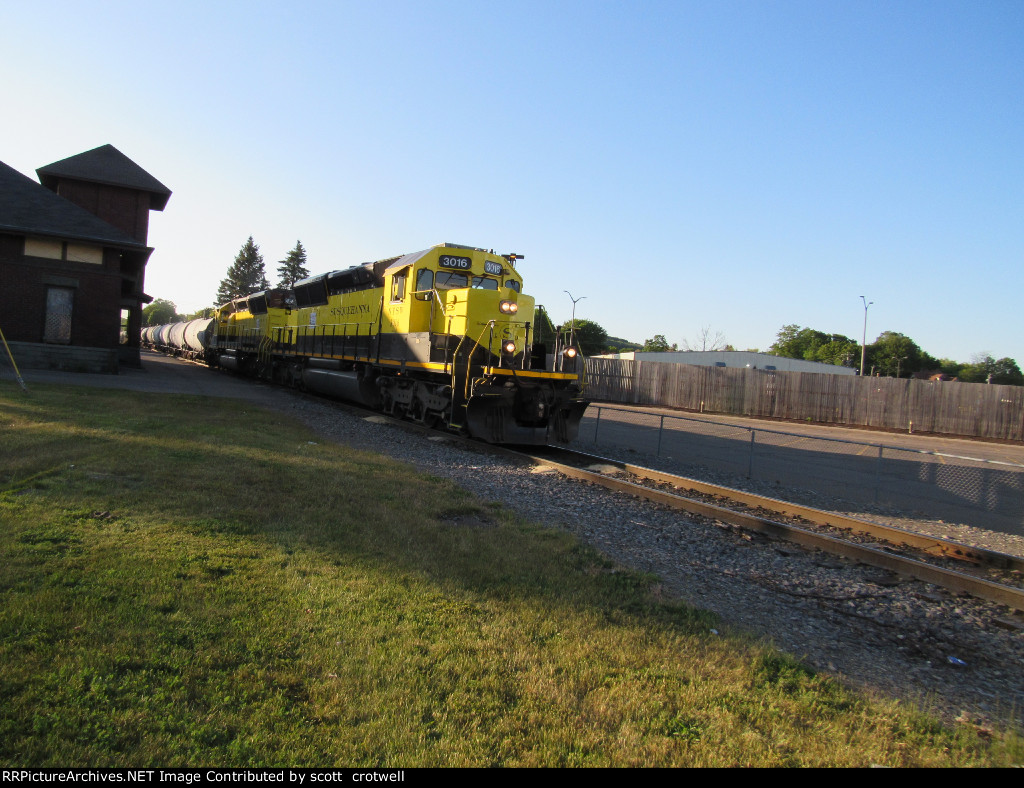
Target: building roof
{"type": "Point", "coordinates": [108, 166]}
{"type": "Point", "coordinates": [26, 208]}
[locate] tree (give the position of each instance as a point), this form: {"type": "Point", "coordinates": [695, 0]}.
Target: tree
{"type": "Point", "coordinates": [657, 344]}
{"type": "Point", "coordinates": [895, 354]}
{"type": "Point", "coordinates": [591, 339]}
{"type": "Point", "coordinates": [293, 267]}
{"type": "Point", "coordinates": [246, 275]}
{"type": "Point", "coordinates": [792, 341]}
{"type": "Point", "coordinates": [705, 341]}
{"type": "Point", "coordinates": [160, 312]}
{"type": "Point", "coordinates": [543, 328]}
{"type": "Point", "coordinates": [840, 351]}
{"type": "Point", "coordinates": [985, 369]}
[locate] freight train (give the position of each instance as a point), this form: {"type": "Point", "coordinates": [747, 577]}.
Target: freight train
{"type": "Point", "coordinates": [445, 336]}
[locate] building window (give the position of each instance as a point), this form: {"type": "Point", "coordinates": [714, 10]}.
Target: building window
{"type": "Point", "coordinates": [80, 253]}
{"type": "Point", "coordinates": [37, 247]}
{"type": "Point", "coordinates": [63, 250]}
{"type": "Point", "coordinates": [59, 303]}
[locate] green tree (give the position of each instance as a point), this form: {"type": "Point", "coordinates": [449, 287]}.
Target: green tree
{"type": "Point", "coordinates": [839, 351]}
{"type": "Point", "coordinates": [160, 312]}
{"type": "Point", "coordinates": [591, 339]}
{"type": "Point", "coordinates": [985, 369]}
{"type": "Point", "coordinates": [792, 341]}
{"type": "Point", "coordinates": [246, 275]}
{"type": "Point", "coordinates": [657, 344]}
{"type": "Point", "coordinates": [543, 328]}
{"type": "Point", "coordinates": [895, 354]}
{"type": "Point", "coordinates": [293, 267]}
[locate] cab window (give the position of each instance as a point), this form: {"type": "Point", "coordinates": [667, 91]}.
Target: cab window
{"type": "Point", "coordinates": [398, 285]}
{"type": "Point", "coordinates": [449, 279]}
{"type": "Point", "coordinates": [512, 284]}
{"type": "Point", "coordinates": [485, 283]}
{"type": "Point", "coordinates": [424, 282]}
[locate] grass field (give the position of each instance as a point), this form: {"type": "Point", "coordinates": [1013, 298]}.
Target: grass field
{"type": "Point", "coordinates": [192, 582]}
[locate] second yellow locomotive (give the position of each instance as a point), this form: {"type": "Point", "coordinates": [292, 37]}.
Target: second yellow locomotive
{"type": "Point", "coordinates": [445, 335]}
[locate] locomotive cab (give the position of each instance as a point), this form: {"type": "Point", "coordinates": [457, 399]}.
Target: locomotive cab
{"type": "Point", "coordinates": [452, 300]}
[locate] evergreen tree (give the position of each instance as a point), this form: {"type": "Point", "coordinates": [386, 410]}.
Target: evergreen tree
{"type": "Point", "coordinates": [293, 267]}
{"type": "Point", "coordinates": [246, 275]}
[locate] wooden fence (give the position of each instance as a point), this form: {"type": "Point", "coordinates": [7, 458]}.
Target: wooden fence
{"type": "Point", "coordinates": [948, 408]}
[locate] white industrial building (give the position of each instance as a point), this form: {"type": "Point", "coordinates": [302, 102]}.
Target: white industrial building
{"type": "Point", "coordinates": [735, 358]}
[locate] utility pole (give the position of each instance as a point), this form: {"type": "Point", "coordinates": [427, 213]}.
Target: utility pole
{"type": "Point", "coordinates": [864, 338]}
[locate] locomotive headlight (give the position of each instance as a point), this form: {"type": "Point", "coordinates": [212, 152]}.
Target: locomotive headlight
{"type": "Point", "coordinates": [509, 346]}
{"type": "Point", "coordinates": [570, 352]}
{"type": "Point", "coordinates": [508, 307]}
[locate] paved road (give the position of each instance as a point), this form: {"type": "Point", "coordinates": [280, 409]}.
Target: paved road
{"type": "Point", "coordinates": [999, 452]}
{"type": "Point", "coordinates": [939, 478]}
{"type": "Point", "coordinates": [159, 374]}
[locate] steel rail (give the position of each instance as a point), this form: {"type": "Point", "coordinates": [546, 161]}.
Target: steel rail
{"type": "Point", "coordinates": [872, 556]}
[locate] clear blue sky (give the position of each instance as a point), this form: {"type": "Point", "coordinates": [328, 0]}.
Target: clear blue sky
{"type": "Point", "coordinates": [735, 166]}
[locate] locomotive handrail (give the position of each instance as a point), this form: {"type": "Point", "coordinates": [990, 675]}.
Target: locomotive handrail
{"type": "Point", "coordinates": [469, 357]}
{"type": "Point", "coordinates": [304, 332]}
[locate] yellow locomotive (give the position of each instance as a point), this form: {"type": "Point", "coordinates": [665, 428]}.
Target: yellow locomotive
{"type": "Point", "coordinates": [445, 335]}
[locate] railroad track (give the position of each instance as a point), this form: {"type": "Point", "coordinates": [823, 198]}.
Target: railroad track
{"type": "Point", "coordinates": [926, 558]}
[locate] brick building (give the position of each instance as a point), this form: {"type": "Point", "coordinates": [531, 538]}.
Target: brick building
{"type": "Point", "coordinates": [73, 259]}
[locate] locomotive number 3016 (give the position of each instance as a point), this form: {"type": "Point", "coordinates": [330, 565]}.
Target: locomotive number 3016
{"type": "Point", "coordinates": [448, 261]}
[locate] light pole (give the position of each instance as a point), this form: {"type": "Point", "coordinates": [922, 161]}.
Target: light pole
{"type": "Point", "coordinates": [572, 331]}
{"type": "Point", "coordinates": [864, 338]}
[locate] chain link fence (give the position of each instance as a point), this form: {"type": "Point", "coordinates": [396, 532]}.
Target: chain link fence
{"type": "Point", "coordinates": [983, 493]}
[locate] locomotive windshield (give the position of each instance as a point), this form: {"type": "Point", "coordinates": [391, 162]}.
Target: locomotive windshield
{"type": "Point", "coordinates": [449, 279]}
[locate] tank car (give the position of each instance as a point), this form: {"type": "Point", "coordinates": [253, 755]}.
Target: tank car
{"type": "Point", "coordinates": [188, 339]}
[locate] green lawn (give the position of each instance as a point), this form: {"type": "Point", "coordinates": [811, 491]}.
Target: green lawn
{"type": "Point", "coordinates": [200, 582]}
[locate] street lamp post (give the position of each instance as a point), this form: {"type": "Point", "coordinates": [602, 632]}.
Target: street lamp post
{"type": "Point", "coordinates": [864, 338]}
{"type": "Point", "coordinates": [572, 331]}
